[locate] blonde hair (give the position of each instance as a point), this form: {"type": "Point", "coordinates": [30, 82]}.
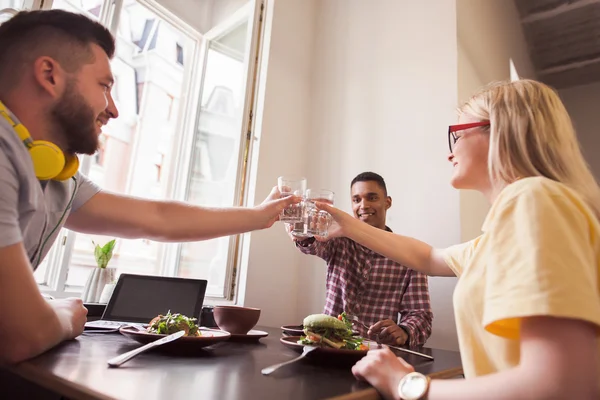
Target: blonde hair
{"type": "Point", "coordinates": [531, 134]}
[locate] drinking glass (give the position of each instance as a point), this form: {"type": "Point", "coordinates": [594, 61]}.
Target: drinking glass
{"type": "Point", "coordinates": [317, 221]}
{"type": "Point", "coordinates": [289, 186]}
{"type": "Point", "coordinates": [300, 229]}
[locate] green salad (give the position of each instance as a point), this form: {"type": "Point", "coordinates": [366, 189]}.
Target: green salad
{"type": "Point", "coordinates": [171, 323]}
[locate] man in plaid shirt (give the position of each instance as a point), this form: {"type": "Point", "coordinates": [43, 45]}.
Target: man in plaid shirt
{"type": "Point", "coordinates": [390, 298]}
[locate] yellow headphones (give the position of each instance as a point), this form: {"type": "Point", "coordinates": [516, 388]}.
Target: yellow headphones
{"type": "Point", "coordinates": [49, 162]}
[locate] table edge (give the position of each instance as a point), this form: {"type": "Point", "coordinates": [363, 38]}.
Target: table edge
{"type": "Point", "coordinates": [57, 384]}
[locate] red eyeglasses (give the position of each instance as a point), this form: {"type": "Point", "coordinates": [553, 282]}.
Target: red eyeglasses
{"type": "Point", "coordinates": [452, 129]}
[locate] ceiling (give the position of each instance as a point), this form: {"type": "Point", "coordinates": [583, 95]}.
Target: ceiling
{"type": "Point", "coordinates": [563, 37]}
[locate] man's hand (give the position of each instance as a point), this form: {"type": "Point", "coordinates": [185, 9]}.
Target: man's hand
{"type": "Point", "coordinates": [72, 315]}
{"type": "Point", "coordinates": [389, 332]}
{"type": "Point", "coordinates": [273, 205]}
{"type": "Point", "coordinates": [382, 369]}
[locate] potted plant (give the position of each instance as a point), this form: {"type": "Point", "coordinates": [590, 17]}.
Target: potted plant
{"type": "Point", "coordinates": [101, 275]}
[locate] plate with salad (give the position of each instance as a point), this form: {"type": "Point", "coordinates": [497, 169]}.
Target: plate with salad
{"type": "Point", "coordinates": [332, 336]}
{"type": "Point", "coordinates": [163, 325]}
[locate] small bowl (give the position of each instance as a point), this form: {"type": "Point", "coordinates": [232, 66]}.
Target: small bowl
{"type": "Point", "coordinates": [235, 319]}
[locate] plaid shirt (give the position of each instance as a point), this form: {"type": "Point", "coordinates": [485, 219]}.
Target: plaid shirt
{"type": "Point", "coordinates": [372, 287]}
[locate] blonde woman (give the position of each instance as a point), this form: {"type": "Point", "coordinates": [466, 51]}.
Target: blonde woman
{"type": "Point", "coordinates": [527, 301]}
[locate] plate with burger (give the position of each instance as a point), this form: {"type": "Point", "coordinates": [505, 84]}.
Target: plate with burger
{"type": "Point", "coordinates": [331, 335]}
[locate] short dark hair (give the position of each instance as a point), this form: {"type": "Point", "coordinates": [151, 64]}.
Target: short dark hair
{"type": "Point", "coordinates": [62, 35]}
{"type": "Point", "coordinates": [370, 177]}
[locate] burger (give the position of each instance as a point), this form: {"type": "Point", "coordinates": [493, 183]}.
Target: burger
{"type": "Point", "coordinates": [327, 331]}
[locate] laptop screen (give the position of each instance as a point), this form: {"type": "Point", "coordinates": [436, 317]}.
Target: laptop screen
{"type": "Point", "coordinates": [139, 298]}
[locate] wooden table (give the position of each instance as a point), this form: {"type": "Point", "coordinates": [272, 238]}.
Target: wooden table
{"type": "Point", "coordinates": [230, 370]}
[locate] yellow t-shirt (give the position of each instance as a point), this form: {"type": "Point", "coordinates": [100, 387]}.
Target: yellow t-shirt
{"type": "Point", "coordinates": [539, 255]}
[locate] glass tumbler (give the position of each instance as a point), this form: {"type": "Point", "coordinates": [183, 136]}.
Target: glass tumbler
{"type": "Point", "coordinates": [317, 221]}
{"type": "Point", "coordinates": [289, 186]}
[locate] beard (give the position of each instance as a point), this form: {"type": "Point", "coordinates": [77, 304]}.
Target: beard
{"type": "Point", "coordinates": [74, 120]}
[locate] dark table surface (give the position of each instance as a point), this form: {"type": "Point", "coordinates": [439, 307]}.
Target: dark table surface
{"type": "Point", "coordinates": [229, 370]}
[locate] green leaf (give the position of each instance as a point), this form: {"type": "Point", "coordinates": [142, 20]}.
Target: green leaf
{"type": "Point", "coordinates": [98, 255]}
{"type": "Point", "coordinates": [108, 247]}
{"type": "Point", "coordinates": [104, 254]}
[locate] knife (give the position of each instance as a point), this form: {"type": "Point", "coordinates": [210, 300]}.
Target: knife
{"type": "Point", "coordinates": [416, 353]}
{"type": "Point", "coordinates": [123, 358]}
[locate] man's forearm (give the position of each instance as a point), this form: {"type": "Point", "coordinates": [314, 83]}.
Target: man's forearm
{"type": "Point", "coordinates": [19, 342]}
{"type": "Point", "coordinates": [418, 326]}
{"type": "Point", "coordinates": [28, 324]}
{"type": "Point", "coordinates": [169, 221]}
{"type": "Point", "coordinates": [180, 222]}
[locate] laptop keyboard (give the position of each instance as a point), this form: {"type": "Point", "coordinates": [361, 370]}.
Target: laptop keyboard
{"type": "Point", "coordinates": [113, 325]}
{"type": "Point", "coordinates": [104, 324]}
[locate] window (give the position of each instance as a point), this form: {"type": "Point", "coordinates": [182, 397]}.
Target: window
{"type": "Point", "coordinates": [91, 8]}
{"type": "Point", "coordinates": [216, 154]}
{"type": "Point", "coordinates": [8, 8]}
{"type": "Point", "coordinates": [179, 53]}
{"type": "Point", "coordinates": [163, 114]}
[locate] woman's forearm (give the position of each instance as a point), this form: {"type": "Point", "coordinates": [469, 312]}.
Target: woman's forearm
{"type": "Point", "coordinates": [515, 383]}
{"type": "Point", "coordinates": [405, 250]}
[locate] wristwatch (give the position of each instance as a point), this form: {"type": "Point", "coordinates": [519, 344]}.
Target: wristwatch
{"type": "Point", "coordinates": [414, 386]}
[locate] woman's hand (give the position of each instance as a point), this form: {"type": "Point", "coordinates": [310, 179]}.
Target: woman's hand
{"type": "Point", "coordinates": [382, 369]}
{"type": "Point", "coordinates": [340, 224]}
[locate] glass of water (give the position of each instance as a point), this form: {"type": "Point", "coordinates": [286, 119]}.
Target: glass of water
{"type": "Point", "coordinates": [289, 186]}
{"type": "Point", "coordinates": [317, 221]}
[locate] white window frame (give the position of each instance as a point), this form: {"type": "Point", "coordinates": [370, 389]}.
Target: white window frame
{"type": "Point", "coordinates": [196, 54]}
{"type": "Point", "coordinates": [27, 5]}
{"type": "Point", "coordinates": [252, 8]}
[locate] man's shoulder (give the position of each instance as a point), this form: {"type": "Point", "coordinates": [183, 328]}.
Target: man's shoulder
{"type": "Point", "coordinates": [8, 136]}
{"type": "Point", "coordinates": [12, 150]}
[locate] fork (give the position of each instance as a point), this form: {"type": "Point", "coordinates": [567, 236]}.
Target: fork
{"type": "Point", "coordinates": [355, 319]}
{"type": "Point", "coordinates": [305, 351]}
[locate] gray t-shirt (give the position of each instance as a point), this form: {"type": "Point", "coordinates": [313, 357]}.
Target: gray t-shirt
{"type": "Point", "coordinates": [32, 211]}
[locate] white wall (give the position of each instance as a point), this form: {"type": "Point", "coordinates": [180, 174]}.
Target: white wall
{"type": "Point", "coordinates": [583, 103]}
{"type": "Point", "coordinates": [490, 34]}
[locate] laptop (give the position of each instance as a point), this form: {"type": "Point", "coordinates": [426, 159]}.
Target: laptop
{"type": "Point", "coordinates": [137, 299]}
